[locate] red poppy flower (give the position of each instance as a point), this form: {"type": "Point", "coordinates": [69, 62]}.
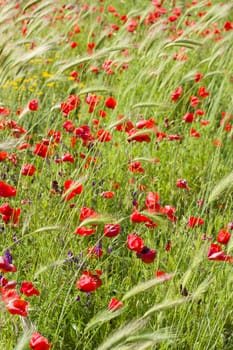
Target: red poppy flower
{"type": "Point", "coordinates": [68, 126]}
{"type": "Point", "coordinates": [148, 124]}
{"type": "Point", "coordinates": [103, 135]}
{"type": "Point", "coordinates": [18, 307]}
{"type": "Point", "coordinates": [193, 221]}
{"type": "Point", "coordinates": [86, 213]}
{"type": "Point", "coordinates": [160, 136]}
{"type": "Point", "coordinates": [5, 209]}
{"type": "Point", "coordinates": [5, 266]}
{"type": "Point", "coordinates": [223, 236]}
{"type": "Point", "coordinates": [110, 103]}
{"type": "Point", "coordinates": [67, 157]}
{"type": "Point", "coordinates": [72, 102]}
{"type": "Point", "coordinates": [168, 246]}
{"type": "Point", "coordinates": [111, 9]}
{"type": "Point", "coordinates": [194, 101]}
{"type": "Point", "coordinates": [38, 342]}
{"type": "Point", "coordinates": [202, 92]}
{"type": "Point", "coordinates": [14, 217]}
{"type": "Point", "coordinates": [9, 294]}
{"type": "Point", "coordinates": [204, 122]}
{"type": "Point", "coordinates": [194, 133]}
{"type": "Point", "coordinates": [217, 143]}
{"type": "Point", "coordinates": [152, 201]}
{"type": "Point", "coordinates": [92, 101]}
{"type": "Point", "coordinates": [77, 29]}
{"type": "Point", "coordinates": [228, 26]}
{"type": "Point", "coordinates": [24, 146]}
{"type": "Point", "coordinates": [172, 18]}
{"type": "Point", "coordinates": [6, 190]}
{"type": "Point", "coordinates": [180, 183]}
{"type": "Point", "coordinates": [174, 137]}
{"type": "Point", "coordinates": [77, 188]}
{"type": "Point", "coordinates": [41, 150]}
{"type": "Point", "coordinates": [147, 255]}
{"type": "Point", "coordinates": [164, 276]}
{"type": "Point", "coordinates": [138, 217]}
{"type": "Point", "coordinates": [84, 133]}
{"type": "Point", "coordinates": [95, 252]}
{"type": "Point", "coordinates": [134, 242]}
{"type": "Point", "coordinates": [188, 118]}
{"type": "Point", "coordinates": [169, 210]}
{"type": "Point", "coordinates": [74, 74]}
{"type": "Point", "coordinates": [89, 282]}
{"type": "Point", "coordinates": [24, 30]}
{"type": "Point", "coordinates": [200, 202]}
{"type": "Point", "coordinates": [5, 111]}
{"type": "Point", "coordinates": [198, 77]}
{"type": "Point", "coordinates": [125, 126]}
{"type": "Point", "coordinates": [107, 194]}
{"type": "Point", "coordinates": [132, 25]}
{"type": "Point", "coordinates": [56, 135]}
{"type": "Point", "coordinates": [111, 230]}
{"type": "Point", "coordinates": [28, 170]}
{"type": "Point", "coordinates": [102, 113]}
{"type": "Point", "coordinates": [177, 93]}
{"type": "Point", "coordinates": [136, 167]}
{"type": "Point", "coordinates": [138, 138]}
{"type": "Point", "coordinates": [215, 253]}
{"type": "Point", "coordinates": [74, 44]}
{"type": "Point", "coordinates": [3, 156]}
{"type": "Point", "coordinates": [114, 304]}
{"type": "Point", "coordinates": [28, 289]}
{"type": "Point", "coordinates": [199, 112]}
{"type": "Point", "coordinates": [33, 105]}
{"type": "Point", "coordinates": [7, 285]}
{"type": "Point", "coordinates": [84, 231]}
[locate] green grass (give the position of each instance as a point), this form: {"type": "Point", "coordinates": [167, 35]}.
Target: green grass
{"type": "Point", "coordinates": [193, 310]}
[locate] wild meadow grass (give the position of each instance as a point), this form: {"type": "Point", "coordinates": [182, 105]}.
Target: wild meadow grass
{"type": "Point", "coordinates": [116, 141]}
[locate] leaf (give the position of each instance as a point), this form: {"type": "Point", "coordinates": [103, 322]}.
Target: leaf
{"type": "Point", "coordinates": [118, 122]}
{"type": "Point", "coordinates": [157, 218]}
{"type": "Point", "coordinates": [148, 105]}
{"type": "Point", "coordinates": [167, 304]}
{"type": "Point", "coordinates": [94, 89]}
{"type": "Point", "coordinates": [141, 132]}
{"type": "Point", "coordinates": [223, 185]}
{"type": "Point", "coordinates": [47, 228]}
{"type": "Point", "coordinates": [191, 44]}
{"type": "Point", "coordinates": [141, 287]}
{"type": "Point", "coordinates": [198, 258]}
{"type": "Point", "coordinates": [144, 159]}
{"type": "Point", "coordinates": [96, 220]}
{"type": "Point", "coordinates": [23, 341]}
{"type": "Point", "coordinates": [121, 334]}
{"type": "Point", "coordinates": [148, 340]}
{"type": "Point", "coordinates": [12, 143]}
{"type": "Point", "coordinates": [42, 229]}
{"type": "Point", "coordinates": [85, 59]}
{"type": "Point", "coordinates": [29, 4]}
{"type": "Point", "coordinates": [102, 317]}
{"type": "Point", "coordinates": [46, 267]}
{"type": "Point", "coordinates": [38, 51]}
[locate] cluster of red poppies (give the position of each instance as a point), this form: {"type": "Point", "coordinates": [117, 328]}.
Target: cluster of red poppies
{"type": "Point", "coordinates": [15, 303]}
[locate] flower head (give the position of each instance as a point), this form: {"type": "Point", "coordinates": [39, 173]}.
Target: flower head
{"type": "Point", "coordinates": [6, 190]}
{"type": "Point", "coordinates": [89, 282]}
{"type": "Point", "coordinates": [38, 342]}
{"type": "Point", "coordinates": [114, 304]}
